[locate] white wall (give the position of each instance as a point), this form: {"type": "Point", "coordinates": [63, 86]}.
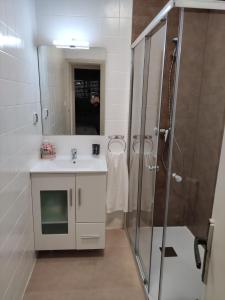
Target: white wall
{"type": "Point", "coordinates": [215, 286]}
{"type": "Point", "coordinates": [104, 23]}
{"type": "Point", "coordinates": [19, 144]}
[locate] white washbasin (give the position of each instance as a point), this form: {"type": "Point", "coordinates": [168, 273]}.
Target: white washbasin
{"type": "Point", "coordinates": [61, 164]}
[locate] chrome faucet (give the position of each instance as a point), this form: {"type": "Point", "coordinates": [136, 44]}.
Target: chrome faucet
{"type": "Point", "coordinates": [74, 154]}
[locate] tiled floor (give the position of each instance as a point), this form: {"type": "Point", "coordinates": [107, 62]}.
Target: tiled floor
{"type": "Point", "coordinates": [111, 275]}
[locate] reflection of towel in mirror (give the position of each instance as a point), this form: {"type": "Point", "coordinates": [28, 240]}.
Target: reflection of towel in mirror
{"type": "Point", "coordinates": [117, 182]}
{"type": "Point", "coordinates": [133, 181]}
{"type": "Point", "coordinates": [148, 184]}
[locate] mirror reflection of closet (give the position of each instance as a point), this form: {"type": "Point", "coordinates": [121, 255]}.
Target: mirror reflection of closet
{"type": "Point", "coordinates": [72, 86]}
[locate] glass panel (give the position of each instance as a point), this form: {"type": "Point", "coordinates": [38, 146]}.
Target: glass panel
{"type": "Point", "coordinates": [138, 70]}
{"type": "Point", "coordinates": [149, 169]}
{"type": "Point", "coordinates": [198, 131]}
{"type": "Point", "coordinates": [54, 212]}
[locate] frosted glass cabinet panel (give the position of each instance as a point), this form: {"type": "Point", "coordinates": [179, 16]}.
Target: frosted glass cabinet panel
{"type": "Point", "coordinates": [54, 212]}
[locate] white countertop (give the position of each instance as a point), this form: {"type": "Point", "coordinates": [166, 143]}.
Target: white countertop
{"type": "Point", "coordinates": [64, 164]}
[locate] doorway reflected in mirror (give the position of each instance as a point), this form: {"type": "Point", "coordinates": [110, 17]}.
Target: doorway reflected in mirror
{"type": "Point", "coordinates": [87, 100]}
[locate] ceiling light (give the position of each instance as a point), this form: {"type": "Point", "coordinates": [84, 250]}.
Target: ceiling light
{"type": "Point", "coordinates": [71, 44]}
{"type": "Point", "coordinates": [10, 41]}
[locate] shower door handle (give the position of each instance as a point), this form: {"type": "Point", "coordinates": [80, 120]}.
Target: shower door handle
{"type": "Point", "coordinates": [197, 243]}
{"type": "Point", "coordinates": [207, 245]}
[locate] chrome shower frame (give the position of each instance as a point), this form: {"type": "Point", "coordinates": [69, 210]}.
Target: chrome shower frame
{"type": "Point", "coordinates": [150, 29]}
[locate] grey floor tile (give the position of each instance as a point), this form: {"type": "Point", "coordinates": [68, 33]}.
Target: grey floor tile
{"type": "Point", "coordinates": [96, 275]}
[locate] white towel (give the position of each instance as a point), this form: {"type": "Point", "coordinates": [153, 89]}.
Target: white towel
{"type": "Point", "coordinates": [117, 183]}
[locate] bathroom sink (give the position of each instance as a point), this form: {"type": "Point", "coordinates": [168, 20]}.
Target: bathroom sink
{"type": "Point", "coordinates": [63, 164]}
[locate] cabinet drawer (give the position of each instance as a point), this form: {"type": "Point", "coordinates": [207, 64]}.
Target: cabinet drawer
{"type": "Point", "coordinates": [90, 235]}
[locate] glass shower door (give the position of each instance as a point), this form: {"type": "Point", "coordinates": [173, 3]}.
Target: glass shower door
{"type": "Point", "coordinates": [155, 45]}
{"type": "Point", "coordinates": [196, 138]}
{"type": "Point", "coordinates": [135, 131]}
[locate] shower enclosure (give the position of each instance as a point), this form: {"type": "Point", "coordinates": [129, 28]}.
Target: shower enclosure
{"type": "Point", "coordinates": [176, 130]}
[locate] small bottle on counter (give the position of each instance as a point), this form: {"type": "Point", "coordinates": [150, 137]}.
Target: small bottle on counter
{"type": "Point", "coordinates": [95, 149]}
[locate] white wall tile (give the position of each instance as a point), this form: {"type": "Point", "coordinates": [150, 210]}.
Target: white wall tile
{"type": "Point", "coordinates": [117, 80]}
{"type": "Point", "coordinates": [125, 28]}
{"type": "Point", "coordinates": [58, 27]}
{"type": "Point", "coordinates": [126, 7]}
{"type": "Point", "coordinates": [83, 143]}
{"type": "Point", "coordinates": [97, 8]}
{"type": "Point", "coordinates": [77, 8]}
{"type": "Point", "coordinates": [119, 63]}
{"type": "Point", "coordinates": [2, 10]}
{"type": "Point", "coordinates": [117, 127]}
{"type": "Point", "coordinates": [117, 96]}
{"type": "Point", "coordinates": [111, 8]}
{"type": "Point", "coordinates": [116, 111]}
{"type": "Point", "coordinates": [110, 26]}
{"type": "Point", "coordinates": [19, 143]}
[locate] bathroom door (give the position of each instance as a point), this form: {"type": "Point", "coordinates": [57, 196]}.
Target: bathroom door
{"type": "Point", "coordinates": [155, 46]}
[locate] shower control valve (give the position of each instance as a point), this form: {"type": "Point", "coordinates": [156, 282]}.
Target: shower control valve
{"type": "Point", "coordinates": [177, 177]}
{"type": "Point", "coordinates": [165, 132]}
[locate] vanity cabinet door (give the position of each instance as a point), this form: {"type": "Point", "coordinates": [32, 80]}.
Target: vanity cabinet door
{"type": "Point", "coordinates": [54, 211]}
{"type": "Point", "coordinates": [90, 198]}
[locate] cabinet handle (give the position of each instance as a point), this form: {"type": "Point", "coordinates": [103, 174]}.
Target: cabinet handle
{"type": "Point", "coordinates": [88, 237]}
{"type": "Point", "coordinates": [71, 197]}
{"type": "Point", "coordinates": [79, 196]}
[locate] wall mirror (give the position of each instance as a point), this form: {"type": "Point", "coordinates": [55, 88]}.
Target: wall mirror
{"type": "Point", "coordinates": [72, 85]}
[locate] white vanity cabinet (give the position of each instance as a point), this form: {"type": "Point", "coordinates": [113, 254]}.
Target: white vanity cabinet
{"type": "Point", "coordinates": [69, 210]}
